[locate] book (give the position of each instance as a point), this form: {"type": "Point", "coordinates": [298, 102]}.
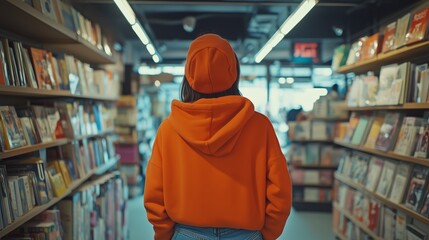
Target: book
{"type": "Point", "coordinates": [418, 74]}
{"type": "Point", "coordinates": [340, 56]}
{"type": "Point", "coordinates": [407, 138]}
{"type": "Point", "coordinates": [14, 135]}
{"type": "Point", "coordinates": [311, 194]}
{"type": "Point", "coordinates": [41, 63]}
{"type": "Point", "coordinates": [353, 123]}
{"type": "Point", "coordinates": [371, 47]}
{"type": "Point", "coordinates": [388, 131]}
{"type": "Point", "coordinates": [424, 87]}
{"type": "Point", "coordinates": [327, 155]}
{"type": "Point", "coordinates": [47, 7]}
{"type": "Point", "coordinates": [416, 187]}
{"type": "Point", "coordinates": [361, 130]}
{"type": "Point", "coordinates": [389, 37]}
{"type": "Point", "coordinates": [414, 233]}
{"type": "Point", "coordinates": [422, 146]}
{"type": "Point", "coordinates": [311, 177]}
{"type": "Point", "coordinates": [19, 64]}
{"type": "Point", "coordinates": [8, 61]}
{"type": "Point", "coordinates": [29, 70]}
{"type": "Point", "coordinates": [425, 207]}
{"type": "Point", "coordinates": [4, 72]}
{"type": "Point", "coordinates": [401, 222]}
{"type": "Point", "coordinates": [401, 30]}
{"type": "Point", "coordinates": [374, 131]}
{"type": "Point", "coordinates": [42, 123]}
{"type": "Point", "coordinates": [374, 213]}
{"type": "Point", "coordinates": [387, 78]}
{"type": "Point", "coordinates": [298, 155]}
{"type": "Point", "coordinates": [389, 224]}
{"type": "Point", "coordinates": [58, 185]}
{"type": "Point", "coordinates": [418, 27]}
{"type": "Point", "coordinates": [30, 133]}
{"type": "Point", "coordinates": [312, 154]}
{"type": "Point", "coordinates": [403, 76]}
{"type": "Point", "coordinates": [5, 198]}
{"type": "Point", "coordinates": [385, 183]}
{"type": "Point", "coordinates": [374, 173]}
{"type": "Point", "coordinates": [400, 183]}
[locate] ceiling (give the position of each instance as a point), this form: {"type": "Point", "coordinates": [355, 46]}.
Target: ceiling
{"type": "Point", "coordinates": [247, 24]}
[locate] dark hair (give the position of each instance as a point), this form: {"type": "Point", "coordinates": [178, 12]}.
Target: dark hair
{"type": "Point", "coordinates": [187, 94]}
{"type": "Point", "coordinates": [335, 87]}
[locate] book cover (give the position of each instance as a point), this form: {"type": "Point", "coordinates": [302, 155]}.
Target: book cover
{"type": "Point", "coordinates": [418, 74]}
{"type": "Point", "coordinates": [387, 174]}
{"type": "Point", "coordinates": [401, 225]}
{"type": "Point", "coordinates": [388, 132]}
{"type": "Point", "coordinates": [65, 171]}
{"type": "Point", "coordinates": [29, 70]}
{"type": "Point", "coordinates": [7, 207]}
{"type": "Point", "coordinates": [361, 129]}
{"type": "Point", "coordinates": [13, 137]}
{"type": "Point", "coordinates": [67, 16]}
{"type": "Point", "coordinates": [327, 155]}
{"type": "Point", "coordinates": [389, 37]}
{"type": "Point", "coordinates": [422, 146]}
{"type": "Point", "coordinates": [57, 181]}
{"type": "Point", "coordinates": [15, 70]}
{"type": "Point", "coordinates": [311, 177]}
{"type": "Point", "coordinates": [326, 177]}
{"type": "Point", "coordinates": [371, 47]}
{"type": "Point", "coordinates": [340, 56]}
{"type": "Point", "coordinates": [298, 155]}
{"type": "Point", "coordinates": [416, 187]}
{"type": "Point", "coordinates": [374, 173]}
{"type": "Point", "coordinates": [4, 67]}
{"type": "Point", "coordinates": [13, 199]}
{"type": "Point", "coordinates": [28, 126]}
{"type": "Point", "coordinates": [311, 194]}
{"type": "Point", "coordinates": [400, 183]}
{"type": "Point", "coordinates": [63, 71]}
{"type": "Point", "coordinates": [357, 206]}
{"type": "Point", "coordinates": [47, 7]}
{"type": "Point", "coordinates": [42, 123]}
{"type": "Point", "coordinates": [389, 224]}
{"type": "Point", "coordinates": [403, 75]}
{"type": "Point", "coordinates": [42, 69]}
{"type": "Point", "coordinates": [425, 207]}
{"type": "Point", "coordinates": [312, 154]}
{"type": "Point", "coordinates": [8, 61]}
{"type": "Point", "coordinates": [424, 87]}
{"type": "Point", "coordinates": [374, 215]}
{"type": "Point", "coordinates": [374, 131]}
{"type": "Point", "coordinates": [401, 30]}
{"type": "Point", "coordinates": [418, 27]}
{"type": "Point", "coordinates": [387, 77]}
{"type": "Point", "coordinates": [353, 123]}
{"type": "Point", "coordinates": [14, 180]}
{"type": "Point", "coordinates": [407, 138]}
{"type": "Point", "coordinates": [19, 64]}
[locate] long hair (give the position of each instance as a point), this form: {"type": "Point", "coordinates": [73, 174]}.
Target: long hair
{"type": "Point", "coordinates": [187, 94]}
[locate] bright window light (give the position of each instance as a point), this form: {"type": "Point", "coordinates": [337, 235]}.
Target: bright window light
{"type": "Point", "coordinates": [155, 58]}
{"type": "Point", "coordinates": [146, 70]}
{"type": "Point", "coordinates": [150, 49]}
{"type": "Point", "coordinates": [126, 10]}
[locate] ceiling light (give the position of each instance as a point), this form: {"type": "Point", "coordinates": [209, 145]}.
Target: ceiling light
{"type": "Point", "coordinates": [140, 33]}
{"type": "Point", "coordinates": [150, 49]}
{"type": "Point", "coordinates": [157, 83]}
{"type": "Point", "coordinates": [126, 10]}
{"type": "Point", "coordinates": [282, 80]}
{"type": "Point", "coordinates": [155, 58]}
{"type": "Point", "coordinates": [290, 80]}
{"type": "Point", "coordinates": [286, 27]}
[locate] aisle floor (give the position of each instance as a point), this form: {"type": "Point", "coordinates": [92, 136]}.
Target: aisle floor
{"type": "Point", "coordinates": [300, 226]}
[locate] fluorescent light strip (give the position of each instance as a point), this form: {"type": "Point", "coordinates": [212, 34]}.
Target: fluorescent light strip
{"type": "Point", "coordinates": [150, 49]}
{"type": "Point", "coordinates": [126, 10]}
{"type": "Point", "coordinates": [138, 29]}
{"type": "Point", "coordinates": [155, 58]}
{"type": "Point", "coordinates": [302, 10]}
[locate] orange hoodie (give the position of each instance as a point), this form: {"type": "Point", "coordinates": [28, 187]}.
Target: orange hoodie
{"type": "Point", "coordinates": [217, 163]}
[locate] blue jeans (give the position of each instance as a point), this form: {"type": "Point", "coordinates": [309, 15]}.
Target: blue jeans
{"type": "Point", "coordinates": [184, 232]}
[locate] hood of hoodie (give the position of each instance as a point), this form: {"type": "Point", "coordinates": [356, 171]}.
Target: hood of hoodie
{"type": "Point", "coordinates": [214, 125]}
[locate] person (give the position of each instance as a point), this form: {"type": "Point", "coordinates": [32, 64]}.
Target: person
{"type": "Point", "coordinates": [216, 170]}
{"type": "Point", "coordinates": [334, 95]}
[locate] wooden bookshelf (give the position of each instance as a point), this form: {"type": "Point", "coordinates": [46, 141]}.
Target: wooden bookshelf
{"type": "Point", "coordinates": [32, 148]}
{"type": "Point", "coordinates": [404, 107]}
{"type": "Point", "coordinates": [389, 154]}
{"type": "Point", "coordinates": [328, 119]}
{"type": "Point", "coordinates": [107, 166]}
{"type": "Point", "coordinates": [44, 93]}
{"type": "Point", "coordinates": [356, 222]}
{"type": "Point", "coordinates": [407, 52]}
{"type": "Point", "coordinates": [23, 19]}
{"type": "Point", "coordinates": [95, 135]}
{"type": "Point", "coordinates": [39, 209]}
{"type": "Point", "coordinates": [311, 185]}
{"type": "Point", "coordinates": [382, 199]}
{"type": "Point", "coordinates": [310, 141]}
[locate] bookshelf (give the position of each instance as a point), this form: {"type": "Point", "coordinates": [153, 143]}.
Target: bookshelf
{"type": "Point", "coordinates": [32, 148]}
{"type": "Point", "coordinates": [311, 185]}
{"type": "Point", "coordinates": [311, 141]}
{"type": "Point", "coordinates": [43, 93]}
{"type": "Point", "coordinates": [382, 199]}
{"type": "Point", "coordinates": [355, 221]}
{"type": "Point", "coordinates": [339, 235]}
{"type": "Point", "coordinates": [304, 166]}
{"type": "Point", "coordinates": [20, 18]}
{"type": "Point", "coordinates": [404, 107]}
{"type": "Point", "coordinates": [406, 52]}
{"type": "Point", "coordinates": [388, 154]}
{"type": "Point", "coordinates": [312, 206]}
{"type": "Point", "coordinates": [20, 21]}
{"type": "Point", "coordinates": [39, 209]}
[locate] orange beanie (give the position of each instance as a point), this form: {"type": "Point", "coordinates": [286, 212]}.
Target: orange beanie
{"type": "Point", "coordinates": [211, 66]}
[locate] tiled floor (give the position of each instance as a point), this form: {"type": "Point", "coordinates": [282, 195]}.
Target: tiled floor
{"type": "Point", "coordinates": [300, 225]}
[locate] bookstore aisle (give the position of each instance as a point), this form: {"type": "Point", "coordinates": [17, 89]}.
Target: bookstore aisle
{"type": "Point", "coordinates": [321, 224]}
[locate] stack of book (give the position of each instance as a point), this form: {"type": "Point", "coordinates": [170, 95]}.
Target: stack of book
{"type": "Point", "coordinates": [409, 29]}
{"type": "Point", "coordinates": [397, 183]}
{"type": "Point", "coordinates": [41, 69]}
{"type": "Point", "coordinates": [391, 131]}
{"type": "Point", "coordinates": [396, 84]}
{"type": "Point", "coordinates": [64, 14]}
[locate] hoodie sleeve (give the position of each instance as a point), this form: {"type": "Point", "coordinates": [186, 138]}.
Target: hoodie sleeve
{"type": "Point", "coordinates": [278, 190]}
{"type": "Point", "coordinates": [154, 196]}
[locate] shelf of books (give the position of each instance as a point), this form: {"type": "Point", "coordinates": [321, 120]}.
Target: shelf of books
{"type": "Point", "coordinates": [313, 158]}
{"type": "Point", "coordinates": [52, 151]}
{"type": "Point", "coordinates": [58, 27]}
{"type": "Point", "coordinates": [387, 169]}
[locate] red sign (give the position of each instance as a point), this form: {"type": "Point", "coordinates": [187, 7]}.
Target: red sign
{"type": "Point", "coordinates": [306, 52]}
